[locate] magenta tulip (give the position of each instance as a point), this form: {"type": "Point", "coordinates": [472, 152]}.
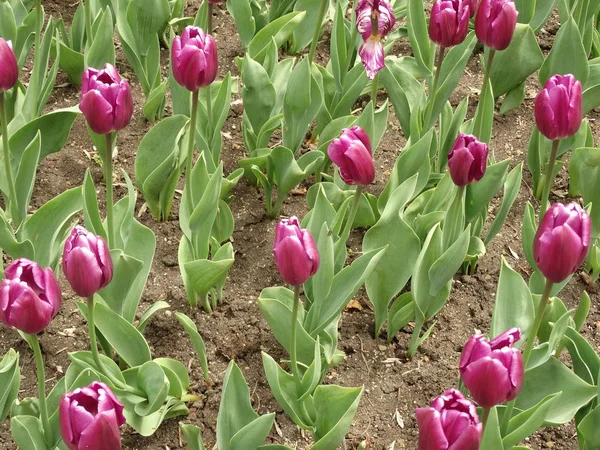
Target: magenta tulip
{"type": "Point", "coordinates": [558, 107]}
{"type": "Point", "coordinates": [90, 418]}
{"type": "Point", "coordinates": [451, 423]}
{"type": "Point", "coordinates": [473, 5]}
{"type": "Point", "coordinates": [30, 296]}
{"type": "Point", "coordinates": [382, 11]}
{"type": "Point", "coordinates": [467, 161]}
{"type": "Point", "coordinates": [495, 23]}
{"type": "Point", "coordinates": [295, 251]}
{"type": "Point", "coordinates": [9, 71]}
{"type": "Point", "coordinates": [86, 262]}
{"type": "Point", "coordinates": [372, 56]}
{"type": "Point", "coordinates": [352, 153]}
{"type": "Point", "coordinates": [106, 100]}
{"type": "Point", "coordinates": [562, 241]}
{"type": "Point", "coordinates": [493, 370]}
{"type": "Point", "coordinates": [449, 22]}
{"type": "Point", "coordinates": [194, 58]}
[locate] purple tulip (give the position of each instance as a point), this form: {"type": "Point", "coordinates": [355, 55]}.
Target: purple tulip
{"type": "Point", "coordinates": [295, 251]}
{"type": "Point", "coordinates": [9, 71]}
{"type": "Point", "coordinates": [90, 418]}
{"type": "Point", "coordinates": [30, 296]}
{"type": "Point", "coordinates": [467, 161]}
{"type": "Point", "coordinates": [106, 100]}
{"type": "Point", "coordinates": [473, 5]}
{"type": "Point", "coordinates": [372, 56]}
{"type": "Point", "coordinates": [86, 262]}
{"type": "Point", "coordinates": [194, 58]}
{"type": "Point", "coordinates": [351, 152]}
{"type": "Point", "coordinates": [496, 22]}
{"type": "Point", "coordinates": [558, 107]}
{"type": "Point", "coordinates": [562, 241]}
{"type": "Point", "coordinates": [379, 10]}
{"type": "Point", "coordinates": [451, 423]}
{"type": "Point", "coordinates": [449, 22]}
{"type": "Point", "coordinates": [493, 370]}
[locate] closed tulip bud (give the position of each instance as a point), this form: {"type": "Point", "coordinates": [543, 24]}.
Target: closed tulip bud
{"type": "Point", "coordinates": [449, 22]}
{"type": "Point", "coordinates": [493, 370]}
{"type": "Point", "coordinates": [295, 251]}
{"type": "Point", "coordinates": [558, 107]}
{"type": "Point", "coordinates": [9, 71]}
{"type": "Point", "coordinates": [495, 23]}
{"type": "Point", "coordinates": [106, 100]}
{"type": "Point", "coordinates": [29, 296]}
{"type": "Point", "coordinates": [467, 161]}
{"type": "Point", "coordinates": [451, 423]}
{"type": "Point", "coordinates": [374, 11]}
{"type": "Point", "coordinates": [473, 5]}
{"type": "Point", "coordinates": [90, 418]}
{"type": "Point", "coordinates": [352, 153]}
{"type": "Point", "coordinates": [194, 58]}
{"type": "Point", "coordinates": [86, 262]}
{"type": "Point", "coordinates": [562, 241]}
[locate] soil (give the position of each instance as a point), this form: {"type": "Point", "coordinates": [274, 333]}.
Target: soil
{"type": "Point", "coordinates": [394, 385]}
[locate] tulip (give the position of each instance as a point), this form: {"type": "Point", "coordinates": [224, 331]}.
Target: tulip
{"type": "Point", "coordinates": [451, 423]}
{"type": "Point", "coordinates": [86, 262]}
{"type": "Point", "coordinates": [495, 23]}
{"type": "Point", "coordinates": [9, 71]}
{"type": "Point", "coordinates": [90, 418]}
{"type": "Point", "coordinates": [29, 296]}
{"type": "Point", "coordinates": [383, 13]}
{"type": "Point", "coordinates": [467, 161]}
{"type": "Point", "coordinates": [493, 370]}
{"type": "Point", "coordinates": [473, 5]}
{"type": "Point", "coordinates": [558, 107]}
{"type": "Point", "coordinates": [295, 251]}
{"type": "Point", "coordinates": [194, 58]}
{"type": "Point", "coordinates": [106, 100]}
{"type": "Point", "coordinates": [351, 152]}
{"type": "Point", "coordinates": [562, 241]}
{"type": "Point", "coordinates": [372, 56]}
{"type": "Point", "coordinates": [449, 22]}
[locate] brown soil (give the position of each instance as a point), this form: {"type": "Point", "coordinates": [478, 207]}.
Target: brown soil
{"type": "Point", "coordinates": [394, 386]}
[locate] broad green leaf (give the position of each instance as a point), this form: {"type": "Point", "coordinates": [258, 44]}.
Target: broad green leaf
{"type": "Point", "coordinates": [146, 18]}
{"type": "Point", "coordinates": [491, 439]}
{"type": "Point", "coordinates": [197, 341]}
{"type": "Point", "coordinates": [588, 428]}
{"type": "Point", "coordinates": [419, 37]}
{"type": "Point", "coordinates": [151, 379]}
{"type": "Point", "coordinates": [191, 433]}
{"type": "Point", "coordinates": [27, 433]}
{"type": "Point", "coordinates": [241, 12]}
{"type": "Point", "coordinates": [102, 48]}
{"type": "Point", "coordinates": [278, 30]}
{"type": "Point", "coordinates": [10, 381]}
{"type": "Point", "coordinates": [511, 190]}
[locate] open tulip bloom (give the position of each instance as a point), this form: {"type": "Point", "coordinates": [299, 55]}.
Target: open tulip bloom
{"type": "Point", "coordinates": [374, 21]}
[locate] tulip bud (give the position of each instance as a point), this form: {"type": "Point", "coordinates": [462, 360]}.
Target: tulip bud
{"type": "Point", "coordinates": [562, 241]}
{"type": "Point", "coordinates": [29, 296]}
{"type": "Point", "coordinates": [558, 107]}
{"type": "Point", "coordinates": [496, 22]}
{"type": "Point", "coordinates": [467, 161]}
{"type": "Point", "coordinates": [473, 5]}
{"type": "Point", "coordinates": [370, 11]}
{"type": "Point", "coordinates": [9, 71]}
{"type": "Point", "coordinates": [194, 58]}
{"type": "Point", "coordinates": [90, 418]}
{"type": "Point", "coordinates": [295, 251]}
{"type": "Point", "coordinates": [451, 423]}
{"type": "Point", "coordinates": [351, 152]}
{"type": "Point", "coordinates": [106, 100]}
{"type": "Point", "coordinates": [86, 262]}
{"type": "Point", "coordinates": [449, 22]}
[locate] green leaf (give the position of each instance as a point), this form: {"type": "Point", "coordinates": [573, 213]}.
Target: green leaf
{"type": "Point", "coordinates": [526, 423]}
{"type": "Point", "coordinates": [177, 374]}
{"type": "Point", "coordinates": [10, 381]}
{"type": "Point", "coordinates": [419, 37]}
{"type": "Point", "coordinates": [588, 428]}
{"type": "Point", "coordinates": [27, 433]}
{"type": "Point", "coordinates": [197, 341]}
{"type": "Point", "coordinates": [511, 190]}
{"type": "Point", "coordinates": [491, 439]}
{"type": "Point", "coordinates": [258, 94]}
{"type": "Point", "coordinates": [102, 48]}
{"type": "Point", "coordinates": [513, 99]}
{"type": "Point", "coordinates": [480, 194]}
{"type": "Point", "coordinates": [401, 312]}
{"type": "Point", "coordinates": [154, 308]}
{"type": "Point", "coordinates": [484, 115]}
{"type": "Point", "coordinates": [303, 34]}
{"type": "Point", "coordinates": [146, 18]}
{"type": "Point", "coordinates": [241, 12]}
{"type": "Point", "coordinates": [152, 381]}
{"type": "Point", "coordinates": [155, 102]}
{"type": "Point", "coordinates": [25, 178]}
{"type": "Point", "coordinates": [443, 269]}
{"type": "Point", "coordinates": [191, 433]}
{"type": "Point", "coordinates": [278, 30]}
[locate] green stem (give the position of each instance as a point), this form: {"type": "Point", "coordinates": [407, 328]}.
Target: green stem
{"type": "Point", "coordinates": [293, 356]}
{"type": "Point", "coordinates": [209, 19]}
{"type": "Point", "coordinates": [208, 110]}
{"type": "Point", "coordinates": [441, 53]}
{"type": "Point", "coordinates": [353, 210]}
{"type": "Point", "coordinates": [488, 68]}
{"type": "Point", "coordinates": [190, 151]}
{"type": "Point", "coordinates": [12, 193]}
{"type": "Point", "coordinates": [108, 179]}
{"type": "Point", "coordinates": [353, 37]}
{"type": "Point", "coordinates": [87, 8]}
{"type": "Point", "coordinates": [41, 379]}
{"type": "Point", "coordinates": [92, 332]}
{"type": "Point", "coordinates": [374, 87]}
{"type": "Point", "coordinates": [548, 179]}
{"type": "Point", "coordinates": [317, 35]}
{"type": "Point", "coordinates": [39, 23]}
{"type": "Point", "coordinates": [484, 418]}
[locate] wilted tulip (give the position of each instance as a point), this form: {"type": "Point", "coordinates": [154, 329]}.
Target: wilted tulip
{"type": "Point", "coordinates": [562, 241]}
{"type": "Point", "coordinates": [9, 71]}
{"type": "Point", "coordinates": [194, 58]}
{"type": "Point", "coordinates": [558, 107]}
{"type": "Point", "coordinates": [451, 423]}
{"type": "Point", "coordinates": [352, 153]}
{"type": "Point", "coordinates": [90, 418]}
{"type": "Point", "coordinates": [493, 370]}
{"type": "Point", "coordinates": [449, 22]}
{"type": "Point", "coordinates": [295, 251]}
{"type": "Point", "coordinates": [29, 296]}
{"type": "Point", "coordinates": [106, 100]}
{"type": "Point", "coordinates": [495, 23]}
{"type": "Point", "coordinates": [383, 13]}
{"type": "Point", "coordinates": [467, 161]}
{"type": "Point", "coordinates": [86, 262]}
{"type": "Point", "coordinates": [372, 56]}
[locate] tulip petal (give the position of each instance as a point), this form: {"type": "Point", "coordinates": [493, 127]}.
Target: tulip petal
{"type": "Point", "coordinates": [292, 261]}
{"type": "Point", "coordinates": [431, 434]}
{"type": "Point", "coordinates": [97, 111]}
{"type": "Point", "coordinates": [488, 381]}
{"type": "Point", "coordinates": [469, 439]}
{"type": "Point", "coordinates": [102, 434]}
{"type": "Point", "coordinates": [82, 272]}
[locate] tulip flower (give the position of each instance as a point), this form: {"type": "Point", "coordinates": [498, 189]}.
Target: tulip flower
{"type": "Point", "coordinates": [493, 370]}
{"type": "Point", "coordinates": [86, 262]}
{"type": "Point", "coordinates": [194, 58]}
{"type": "Point", "coordinates": [106, 100]}
{"type": "Point", "coordinates": [473, 5]}
{"type": "Point", "coordinates": [369, 13]}
{"type": "Point", "coordinates": [495, 23]}
{"type": "Point", "coordinates": [9, 71]}
{"type": "Point", "coordinates": [295, 251]}
{"type": "Point", "coordinates": [467, 161]}
{"type": "Point", "coordinates": [558, 107]}
{"type": "Point", "coordinates": [449, 22]}
{"type": "Point", "coordinates": [451, 423]}
{"type": "Point", "coordinates": [562, 241]}
{"type": "Point", "coordinates": [352, 153]}
{"type": "Point", "coordinates": [90, 418]}
{"type": "Point", "coordinates": [30, 296]}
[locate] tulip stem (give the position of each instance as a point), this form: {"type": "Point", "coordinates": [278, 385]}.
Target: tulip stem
{"type": "Point", "coordinates": [293, 356]}
{"type": "Point", "coordinates": [441, 53]}
{"type": "Point", "coordinates": [374, 86]}
{"type": "Point", "coordinates": [352, 215]}
{"type": "Point", "coordinates": [108, 173]}
{"type": "Point", "coordinates": [87, 9]}
{"type": "Point", "coordinates": [41, 379]}
{"type": "Point", "coordinates": [190, 152]}
{"type": "Point", "coordinates": [548, 178]}
{"type": "Point", "coordinates": [92, 331]}
{"type": "Point", "coordinates": [12, 201]}
{"type": "Point", "coordinates": [484, 418]}
{"type": "Point", "coordinates": [317, 35]}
